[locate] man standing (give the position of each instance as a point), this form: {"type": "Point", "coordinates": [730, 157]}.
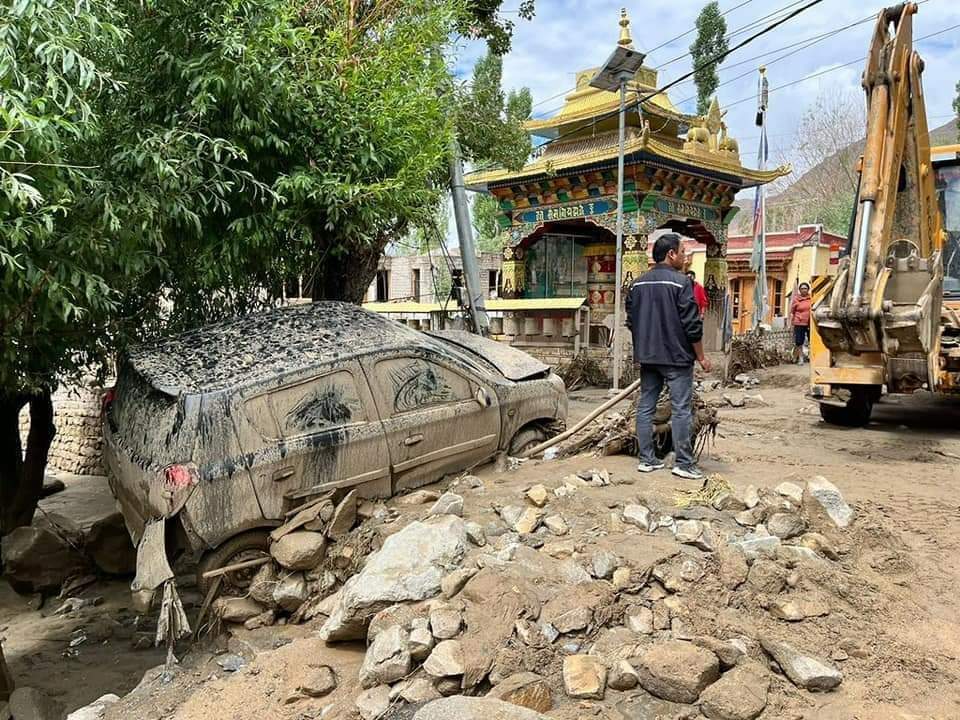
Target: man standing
{"type": "Point", "coordinates": [699, 293]}
{"type": "Point", "coordinates": [667, 338]}
{"type": "Point", "coordinates": [800, 319]}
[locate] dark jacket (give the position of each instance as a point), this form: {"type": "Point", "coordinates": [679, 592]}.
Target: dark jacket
{"type": "Point", "coordinates": [663, 318]}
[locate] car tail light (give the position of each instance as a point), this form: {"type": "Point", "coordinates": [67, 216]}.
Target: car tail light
{"type": "Point", "coordinates": [177, 477]}
{"type": "Point", "coordinates": [107, 399]}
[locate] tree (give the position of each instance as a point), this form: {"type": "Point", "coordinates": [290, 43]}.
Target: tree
{"type": "Point", "coordinates": [956, 109]}
{"type": "Point", "coordinates": [484, 210]}
{"type": "Point", "coordinates": [711, 41]}
{"type": "Point", "coordinates": [55, 297]}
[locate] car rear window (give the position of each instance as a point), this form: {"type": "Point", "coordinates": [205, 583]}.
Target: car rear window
{"type": "Point", "coordinates": [151, 426]}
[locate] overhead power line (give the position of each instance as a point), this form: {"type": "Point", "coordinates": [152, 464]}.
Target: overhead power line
{"type": "Point", "coordinates": [835, 68]}
{"type": "Point", "coordinates": [719, 57]}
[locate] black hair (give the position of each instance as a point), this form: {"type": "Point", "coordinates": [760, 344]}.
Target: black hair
{"type": "Point", "coordinates": [691, 273]}
{"type": "Point", "coordinates": [804, 284]}
{"type": "Point", "coordinates": [663, 246]}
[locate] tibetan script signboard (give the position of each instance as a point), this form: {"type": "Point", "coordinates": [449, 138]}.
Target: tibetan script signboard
{"type": "Point", "coordinates": [564, 212]}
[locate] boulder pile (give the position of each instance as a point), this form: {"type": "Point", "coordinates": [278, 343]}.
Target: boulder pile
{"type": "Point", "coordinates": [516, 612]}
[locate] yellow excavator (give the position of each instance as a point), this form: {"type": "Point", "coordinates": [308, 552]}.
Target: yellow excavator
{"type": "Point", "coordinates": [890, 319]}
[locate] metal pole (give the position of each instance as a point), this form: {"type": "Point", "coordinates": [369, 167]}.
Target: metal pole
{"type": "Point", "coordinates": [468, 253]}
{"type": "Point", "coordinates": [617, 320]}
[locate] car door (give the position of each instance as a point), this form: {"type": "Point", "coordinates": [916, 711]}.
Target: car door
{"type": "Point", "coordinates": [315, 434]}
{"type": "Point", "coordinates": [438, 416]}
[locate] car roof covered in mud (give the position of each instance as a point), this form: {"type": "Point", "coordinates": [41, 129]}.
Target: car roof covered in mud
{"type": "Point", "coordinates": [254, 348]}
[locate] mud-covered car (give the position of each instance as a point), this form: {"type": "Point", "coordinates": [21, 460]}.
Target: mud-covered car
{"type": "Point", "coordinates": [213, 436]}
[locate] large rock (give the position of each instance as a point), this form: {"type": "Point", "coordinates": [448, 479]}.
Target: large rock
{"type": "Point", "coordinates": [263, 583]}
{"type": "Point", "coordinates": [302, 550]}
{"type": "Point", "coordinates": [584, 676]}
{"type": "Point", "coordinates": [740, 694]}
{"type": "Point", "coordinates": [525, 689]}
{"type": "Point", "coordinates": [824, 494]}
{"type": "Point", "coordinates": [638, 515]}
{"type": "Point", "coordinates": [755, 545]}
{"type": "Point", "coordinates": [236, 610]}
{"type": "Point", "coordinates": [472, 708]}
{"type": "Point", "coordinates": [109, 546]}
{"type": "Point", "coordinates": [791, 491]}
{"type": "Point", "coordinates": [446, 660]}
{"type": "Point", "coordinates": [40, 557]}
{"type": "Point", "coordinates": [448, 504]}
{"type": "Point", "coordinates": [622, 676]}
{"type": "Point", "coordinates": [344, 517]}
{"type": "Point", "coordinates": [319, 682]}
{"type": "Point", "coordinates": [373, 703]}
{"type": "Point", "coordinates": [387, 659]}
{"type": "Point", "coordinates": [806, 671]}
{"type": "Point", "coordinates": [733, 566]}
{"type": "Point", "coordinates": [677, 671]}
{"type": "Point", "coordinates": [95, 710]}
{"type": "Point", "coordinates": [786, 525]}
{"type": "Point", "coordinates": [290, 592]}
{"type": "Point", "coordinates": [410, 566]}
{"type": "Point", "coordinates": [27, 703]}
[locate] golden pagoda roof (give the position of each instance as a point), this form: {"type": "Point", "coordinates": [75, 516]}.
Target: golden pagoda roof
{"type": "Point", "coordinates": [577, 137]}
{"type": "Point", "coordinates": [586, 103]}
{"type": "Point", "coordinates": [577, 152]}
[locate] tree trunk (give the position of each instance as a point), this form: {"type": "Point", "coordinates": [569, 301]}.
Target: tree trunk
{"type": "Point", "coordinates": [21, 476]}
{"type": "Point", "coordinates": [346, 277]}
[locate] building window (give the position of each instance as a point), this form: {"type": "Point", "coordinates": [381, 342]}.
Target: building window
{"type": "Point", "coordinates": [416, 285]}
{"type": "Point", "coordinates": [383, 286]}
{"type": "Point", "coordinates": [735, 294]}
{"type": "Point", "coordinates": [493, 286]}
{"type": "Point", "coordinates": [778, 298]}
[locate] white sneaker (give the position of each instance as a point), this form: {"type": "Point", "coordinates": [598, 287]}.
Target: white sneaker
{"type": "Point", "coordinates": [650, 467]}
{"type": "Point", "coordinates": [692, 473]}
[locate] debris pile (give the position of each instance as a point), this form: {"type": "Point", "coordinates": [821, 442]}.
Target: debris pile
{"type": "Point", "coordinates": [582, 371]}
{"type": "Point", "coordinates": [751, 351]}
{"type": "Point", "coordinates": [317, 550]}
{"type": "Point", "coordinates": [615, 434]}
{"type": "Point", "coordinates": [521, 612]}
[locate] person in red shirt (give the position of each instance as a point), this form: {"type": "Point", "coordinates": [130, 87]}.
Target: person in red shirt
{"type": "Point", "coordinates": [699, 293]}
{"type": "Point", "coordinates": [800, 319]}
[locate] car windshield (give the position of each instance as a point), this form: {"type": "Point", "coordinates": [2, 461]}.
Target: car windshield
{"type": "Point", "coordinates": [948, 195]}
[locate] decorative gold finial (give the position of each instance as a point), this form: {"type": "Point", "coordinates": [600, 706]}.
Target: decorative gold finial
{"type": "Point", "coordinates": [763, 69]}
{"type": "Point", "coordinates": [625, 39]}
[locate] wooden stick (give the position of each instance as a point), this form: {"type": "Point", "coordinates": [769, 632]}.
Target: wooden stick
{"type": "Point", "coordinates": [586, 421]}
{"type": "Point", "coordinates": [257, 562]}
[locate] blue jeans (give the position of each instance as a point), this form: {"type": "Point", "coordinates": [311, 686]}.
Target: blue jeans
{"type": "Point", "coordinates": [680, 383]}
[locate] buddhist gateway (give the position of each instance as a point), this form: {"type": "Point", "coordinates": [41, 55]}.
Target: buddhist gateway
{"type": "Point", "coordinates": [558, 213]}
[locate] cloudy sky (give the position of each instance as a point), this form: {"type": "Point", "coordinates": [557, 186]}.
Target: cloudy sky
{"type": "Point", "coordinates": [568, 35]}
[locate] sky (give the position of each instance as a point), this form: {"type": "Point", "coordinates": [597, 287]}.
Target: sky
{"type": "Point", "coordinates": [568, 35]}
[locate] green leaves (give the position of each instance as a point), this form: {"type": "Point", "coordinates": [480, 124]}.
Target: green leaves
{"type": "Point", "coordinates": [711, 41]}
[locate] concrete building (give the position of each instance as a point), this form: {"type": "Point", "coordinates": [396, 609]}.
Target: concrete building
{"type": "Point", "coordinates": [414, 278]}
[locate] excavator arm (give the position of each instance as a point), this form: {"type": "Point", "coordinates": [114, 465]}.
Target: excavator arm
{"type": "Point", "coordinates": [879, 321]}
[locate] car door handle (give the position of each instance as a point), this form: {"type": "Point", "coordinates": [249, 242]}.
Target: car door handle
{"type": "Point", "coordinates": [413, 440]}
{"type": "Point", "coordinates": [282, 474]}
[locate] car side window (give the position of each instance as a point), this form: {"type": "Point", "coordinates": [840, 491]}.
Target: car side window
{"type": "Point", "coordinates": [317, 405]}
{"type": "Point", "coordinates": [411, 384]}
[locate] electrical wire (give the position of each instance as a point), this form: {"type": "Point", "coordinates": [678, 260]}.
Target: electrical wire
{"type": "Point", "coordinates": [706, 63]}
{"type": "Point", "coordinates": [834, 69]}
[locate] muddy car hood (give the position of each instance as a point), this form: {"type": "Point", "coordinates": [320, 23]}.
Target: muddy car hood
{"type": "Point", "coordinates": [513, 364]}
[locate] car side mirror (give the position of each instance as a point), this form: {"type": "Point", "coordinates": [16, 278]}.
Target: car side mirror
{"type": "Point", "coordinates": [483, 397]}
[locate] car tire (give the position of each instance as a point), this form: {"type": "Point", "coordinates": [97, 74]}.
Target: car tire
{"type": "Point", "coordinates": [525, 439]}
{"type": "Point", "coordinates": [245, 546]}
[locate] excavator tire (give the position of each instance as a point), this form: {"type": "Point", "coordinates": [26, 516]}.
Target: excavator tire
{"type": "Point", "coordinates": [857, 411]}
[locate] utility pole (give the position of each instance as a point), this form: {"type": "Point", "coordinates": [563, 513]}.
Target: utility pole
{"type": "Point", "coordinates": [621, 67]}
{"type": "Point", "coordinates": [468, 253]}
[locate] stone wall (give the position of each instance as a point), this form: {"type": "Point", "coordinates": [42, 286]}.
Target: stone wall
{"type": "Point", "coordinates": [77, 447]}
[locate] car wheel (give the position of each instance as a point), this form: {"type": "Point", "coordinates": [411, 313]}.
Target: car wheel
{"type": "Point", "coordinates": [249, 545]}
{"type": "Point", "coordinates": [857, 411]}
{"type": "Point", "coordinates": [525, 439]}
